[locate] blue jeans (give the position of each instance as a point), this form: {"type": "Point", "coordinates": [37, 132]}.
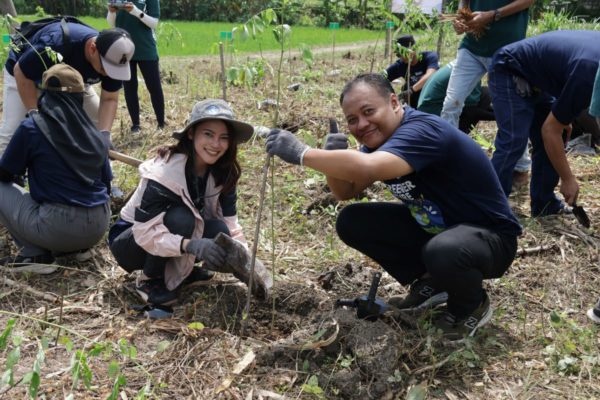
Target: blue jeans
{"type": "Point", "coordinates": [466, 73]}
{"type": "Point", "coordinates": [521, 118]}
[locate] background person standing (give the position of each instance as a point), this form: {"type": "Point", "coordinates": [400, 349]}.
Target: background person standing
{"type": "Point", "coordinates": [140, 18]}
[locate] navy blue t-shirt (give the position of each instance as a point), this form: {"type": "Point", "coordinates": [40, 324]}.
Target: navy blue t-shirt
{"type": "Point", "coordinates": [50, 179]}
{"type": "Point", "coordinates": [562, 64]}
{"type": "Point", "coordinates": [453, 180]}
{"type": "Point", "coordinates": [35, 60]}
{"type": "Point", "coordinates": [429, 59]}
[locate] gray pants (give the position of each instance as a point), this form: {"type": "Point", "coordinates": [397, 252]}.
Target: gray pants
{"type": "Point", "coordinates": [42, 228]}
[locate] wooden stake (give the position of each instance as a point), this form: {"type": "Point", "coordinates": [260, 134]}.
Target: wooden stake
{"type": "Point", "coordinates": [223, 77]}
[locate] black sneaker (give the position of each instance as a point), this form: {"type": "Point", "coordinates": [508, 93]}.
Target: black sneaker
{"type": "Point", "coordinates": [41, 264]}
{"type": "Point", "coordinates": [136, 129]}
{"type": "Point", "coordinates": [198, 275]}
{"type": "Point", "coordinates": [594, 313]}
{"type": "Point", "coordinates": [421, 295]}
{"type": "Point", "coordinates": [154, 291]}
{"type": "Point", "coordinates": [455, 329]}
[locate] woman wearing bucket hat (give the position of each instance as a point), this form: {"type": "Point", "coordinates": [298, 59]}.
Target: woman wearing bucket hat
{"type": "Point", "coordinates": [186, 196]}
{"type": "Point", "coordinates": [66, 159]}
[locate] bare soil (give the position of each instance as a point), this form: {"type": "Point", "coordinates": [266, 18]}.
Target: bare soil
{"type": "Point", "coordinates": [297, 344]}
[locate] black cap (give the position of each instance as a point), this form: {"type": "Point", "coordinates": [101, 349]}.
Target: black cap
{"type": "Point", "coordinates": [406, 41]}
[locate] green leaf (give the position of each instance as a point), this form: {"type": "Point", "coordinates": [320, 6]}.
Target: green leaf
{"type": "Point", "coordinates": [196, 325]}
{"type": "Point", "coordinates": [7, 378]}
{"type": "Point", "coordinates": [6, 333]}
{"type": "Point", "coordinates": [13, 357]}
{"type": "Point", "coordinates": [113, 369]}
{"type": "Point", "coordinates": [162, 346]}
{"type": "Point", "coordinates": [34, 385]}
{"type": "Point", "coordinates": [555, 317]}
{"type": "Point", "coordinates": [66, 341]}
{"type": "Point", "coordinates": [418, 392]}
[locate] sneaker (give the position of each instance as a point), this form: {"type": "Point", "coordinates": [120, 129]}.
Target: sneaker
{"type": "Point", "coordinates": [136, 129]}
{"type": "Point", "coordinates": [455, 329]}
{"type": "Point", "coordinates": [198, 275]}
{"type": "Point", "coordinates": [79, 256]}
{"type": "Point", "coordinates": [594, 313]}
{"type": "Point", "coordinates": [420, 296]}
{"type": "Point", "coordinates": [41, 264]}
{"type": "Point", "coordinates": [154, 291]}
{"type": "Point", "coordinates": [520, 180]}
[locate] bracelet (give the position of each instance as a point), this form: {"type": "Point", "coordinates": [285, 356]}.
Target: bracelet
{"type": "Point", "coordinates": [141, 15]}
{"type": "Point", "coordinates": [181, 246]}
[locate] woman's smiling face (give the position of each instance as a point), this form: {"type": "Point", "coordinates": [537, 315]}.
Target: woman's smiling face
{"type": "Point", "coordinates": [211, 141]}
{"type": "Point", "coordinates": [371, 117]}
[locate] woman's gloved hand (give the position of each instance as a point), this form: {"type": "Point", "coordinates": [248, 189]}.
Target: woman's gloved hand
{"type": "Point", "coordinates": [206, 250]}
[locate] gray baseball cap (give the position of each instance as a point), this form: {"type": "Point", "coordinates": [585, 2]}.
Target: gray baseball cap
{"type": "Point", "coordinates": [217, 109]}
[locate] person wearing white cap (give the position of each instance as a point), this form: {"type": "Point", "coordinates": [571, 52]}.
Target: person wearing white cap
{"type": "Point", "coordinates": [98, 56]}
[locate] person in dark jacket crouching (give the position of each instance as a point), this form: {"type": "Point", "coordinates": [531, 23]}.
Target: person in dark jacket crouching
{"type": "Point", "coordinates": [66, 161]}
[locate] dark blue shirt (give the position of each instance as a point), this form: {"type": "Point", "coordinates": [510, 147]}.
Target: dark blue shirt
{"type": "Point", "coordinates": [35, 59]}
{"type": "Point", "coordinates": [50, 179]}
{"type": "Point", "coordinates": [562, 64]}
{"type": "Point", "coordinates": [429, 59]}
{"type": "Point", "coordinates": [453, 180]}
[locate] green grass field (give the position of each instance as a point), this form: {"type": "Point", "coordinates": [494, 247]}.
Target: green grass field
{"type": "Point", "coordinates": [184, 38]}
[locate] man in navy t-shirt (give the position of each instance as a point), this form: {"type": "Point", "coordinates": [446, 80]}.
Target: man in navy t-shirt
{"type": "Point", "coordinates": [98, 57]}
{"type": "Point", "coordinates": [539, 86]}
{"type": "Point", "coordinates": [453, 227]}
{"type": "Point", "coordinates": [422, 66]}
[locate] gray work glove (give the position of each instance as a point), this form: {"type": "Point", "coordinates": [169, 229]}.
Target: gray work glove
{"type": "Point", "coordinates": [206, 250]}
{"type": "Point", "coordinates": [522, 86]}
{"type": "Point", "coordinates": [286, 146]}
{"type": "Point", "coordinates": [336, 141]}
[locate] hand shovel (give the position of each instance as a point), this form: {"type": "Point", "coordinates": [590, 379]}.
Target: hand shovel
{"type": "Point", "coordinates": [581, 215]}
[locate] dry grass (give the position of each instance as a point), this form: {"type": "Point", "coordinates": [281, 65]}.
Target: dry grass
{"type": "Point", "coordinates": [539, 345]}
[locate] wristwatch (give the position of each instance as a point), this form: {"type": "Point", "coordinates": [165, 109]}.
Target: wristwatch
{"type": "Point", "coordinates": [497, 15]}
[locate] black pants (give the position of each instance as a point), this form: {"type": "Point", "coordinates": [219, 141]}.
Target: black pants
{"type": "Point", "coordinates": [482, 111]}
{"type": "Point", "coordinates": [178, 220]}
{"type": "Point", "coordinates": [151, 74]}
{"type": "Point", "coordinates": [458, 259]}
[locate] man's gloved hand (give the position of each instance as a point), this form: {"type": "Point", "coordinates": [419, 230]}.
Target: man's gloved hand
{"type": "Point", "coordinates": [522, 86]}
{"type": "Point", "coordinates": [336, 141]}
{"type": "Point", "coordinates": [206, 250]}
{"type": "Point", "coordinates": [286, 146]}
{"type": "Point", "coordinates": [406, 93]}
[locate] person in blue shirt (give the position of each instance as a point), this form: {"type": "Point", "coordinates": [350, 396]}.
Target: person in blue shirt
{"type": "Point", "coordinates": [452, 226]}
{"type": "Point", "coordinates": [66, 160]}
{"type": "Point", "coordinates": [539, 85]}
{"type": "Point", "coordinates": [422, 66]}
{"type": "Point", "coordinates": [98, 56]}
{"type": "Point", "coordinates": [594, 312]}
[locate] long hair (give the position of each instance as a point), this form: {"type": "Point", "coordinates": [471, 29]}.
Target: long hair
{"type": "Point", "coordinates": [376, 81]}
{"type": "Point", "coordinates": [226, 170]}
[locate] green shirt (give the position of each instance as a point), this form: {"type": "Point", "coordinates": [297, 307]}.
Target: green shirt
{"type": "Point", "coordinates": [142, 36]}
{"type": "Point", "coordinates": [508, 30]}
{"type": "Point", "coordinates": [433, 93]}
{"type": "Point", "coordinates": [595, 104]}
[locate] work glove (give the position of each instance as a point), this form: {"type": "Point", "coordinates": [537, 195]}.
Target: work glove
{"type": "Point", "coordinates": [405, 93]}
{"type": "Point", "coordinates": [206, 250]}
{"type": "Point", "coordinates": [286, 146]}
{"type": "Point", "coordinates": [335, 140]}
{"type": "Point", "coordinates": [522, 86]}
